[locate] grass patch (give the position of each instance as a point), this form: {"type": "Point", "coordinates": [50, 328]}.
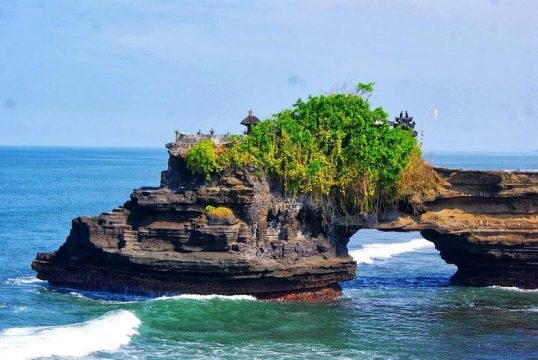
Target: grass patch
{"type": "Point", "coordinates": [218, 212]}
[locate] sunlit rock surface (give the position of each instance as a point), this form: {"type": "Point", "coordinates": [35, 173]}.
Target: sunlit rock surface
{"type": "Point", "coordinates": [486, 223]}
{"type": "Point", "coordinates": [162, 241]}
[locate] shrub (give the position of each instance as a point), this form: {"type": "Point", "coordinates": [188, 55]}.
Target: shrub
{"type": "Point", "coordinates": [202, 158]}
{"type": "Point", "coordinates": [209, 208]}
{"type": "Point", "coordinates": [233, 155]}
{"type": "Point", "coordinates": [418, 180]}
{"type": "Point", "coordinates": [219, 212]}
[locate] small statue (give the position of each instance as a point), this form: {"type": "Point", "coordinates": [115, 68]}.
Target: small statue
{"type": "Point", "coordinates": [211, 132]}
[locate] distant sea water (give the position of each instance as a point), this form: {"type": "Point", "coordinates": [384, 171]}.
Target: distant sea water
{"type": "Point", "coordinates": [399, 306]}
{"type": "Point", "coordinates": [485, 161]}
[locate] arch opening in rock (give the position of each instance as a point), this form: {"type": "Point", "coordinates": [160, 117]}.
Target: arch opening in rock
{"type": "Point", "coordinates": [161, 241]}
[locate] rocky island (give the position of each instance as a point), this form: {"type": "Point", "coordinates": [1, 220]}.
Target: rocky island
{"type": "Point", "coordinates": [254, 228]}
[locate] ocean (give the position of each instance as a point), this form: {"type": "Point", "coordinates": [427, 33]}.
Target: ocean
{"type": "Point", "coordinates": [400, 305]}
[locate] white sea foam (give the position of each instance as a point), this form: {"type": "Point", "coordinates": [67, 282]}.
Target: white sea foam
{"type": "Point", "coordinates": [88, 296]}
{"type": "Point", "coordinates": [27, 280]}
{"type": "Point", "coordinates": [77, 295]}
{"type": "Point", "coordinates": [171, 297]}
{"type": "Point", "coordinates": [521, 170]}
{"type": "Point", "coordinates": [20, 309]}
{"type": "Point", "coordinates": [206, 297]}
{"type": "Point", "coordinates": [371, 252]}
{"type": "Point", "coordinates": [513, 288]}
{"type": "Point", "coordinates": [528, 309]}
{"type": "Point", "coordinates": [106, 333]}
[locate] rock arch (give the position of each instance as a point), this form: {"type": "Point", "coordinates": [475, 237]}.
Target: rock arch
{"type": "Point", "coordinates": [275, 247]}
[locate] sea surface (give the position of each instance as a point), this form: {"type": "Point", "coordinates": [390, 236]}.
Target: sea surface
{"type": "Point", "coordinates": [400, 305]}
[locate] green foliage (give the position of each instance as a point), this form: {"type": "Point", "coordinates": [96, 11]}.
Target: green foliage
{"type": "Point", "coordinates": [207, 158]}
{"type": "Point", "coordinates": [333, 148]}
{"type": "Point", "coordinates": [220, 212]}
{"type": "Point", "coordinates": [202, 158]}
{"type": "Point", "coordinates": [233, 155]}
{"type": "Point", "coordinates": [365, 89]}
{"type": "Point", "coordinates": [417, 180]}
{"type": "Point", "coordinates": [209, 208]}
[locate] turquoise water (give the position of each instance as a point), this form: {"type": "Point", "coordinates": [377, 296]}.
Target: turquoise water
{"type": "Point", "coordinates": [399, 306]}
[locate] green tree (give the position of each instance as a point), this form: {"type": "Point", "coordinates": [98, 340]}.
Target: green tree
{"type": "Point", "coordinates": [334, 148]}
{"type": "Point", "coordinates": [202, 158]}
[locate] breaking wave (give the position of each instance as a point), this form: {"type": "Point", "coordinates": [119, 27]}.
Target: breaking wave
{"type": "Point", "coordinates": [106, 298]}
{"type": "Point", "coordinates": [513, 288]}
{"type": "Point", "coordinates": [106, 333]}
{"type": "Point", "coordinates": [27, 280]}
{"type": "Point", "coordinates": [206, 297]}
{"type": "Point", "coordinates": [371, 252]}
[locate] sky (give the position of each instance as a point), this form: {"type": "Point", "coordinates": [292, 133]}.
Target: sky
{"type": "Point", "coordinates": [129, 73]}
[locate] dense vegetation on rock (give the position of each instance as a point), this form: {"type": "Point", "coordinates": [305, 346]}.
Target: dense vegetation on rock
{"type": "Point", "coordinates": [333, 148]}
{"type": "Point", "coordinates": [202, 158]}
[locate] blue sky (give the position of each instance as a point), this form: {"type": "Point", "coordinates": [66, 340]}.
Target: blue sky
{"type": "Point", "coordinates": [128, 73]}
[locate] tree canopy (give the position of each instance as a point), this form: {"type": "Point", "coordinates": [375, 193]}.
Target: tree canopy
{"type": "Point", "coordinates": [333, 148]}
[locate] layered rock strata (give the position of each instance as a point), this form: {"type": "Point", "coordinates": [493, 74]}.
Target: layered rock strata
{"type": "Point", "coordinates": [484, 222]}
{"type": "Point", "coordinates": [162, 241]}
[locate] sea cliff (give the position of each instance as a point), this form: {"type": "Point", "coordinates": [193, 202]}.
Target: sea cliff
{"type": "Point", "coordinates": [484, 222]}
{"type": "Point", "coordinates": [275, 246]}
{"type": "Point", "coordinates": [163, 241]}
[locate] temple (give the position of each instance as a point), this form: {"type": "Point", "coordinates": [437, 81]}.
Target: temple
{"type": "Point", "coordinates": [249, 122]}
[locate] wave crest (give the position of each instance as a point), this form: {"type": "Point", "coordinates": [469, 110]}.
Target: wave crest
{"type": "Point", "coordinates": [106, 333]}
{"type": "Point", "coordinates": [371, 252]}
{"type": "Point", "coordinates": [513, 288]}
{"type": "Point", "coordinates": [26, 280]}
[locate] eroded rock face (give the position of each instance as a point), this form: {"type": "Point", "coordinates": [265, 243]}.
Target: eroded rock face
{"type": "Point", "coordinates": [162, 241]}
{"type": "Point", "coordinates": [485, 222]}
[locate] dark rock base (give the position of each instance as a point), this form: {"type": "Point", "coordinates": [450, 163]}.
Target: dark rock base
{"type": "Point", "coordinates": [521, 278]}
{"type": "Point", "coordinates": [482, 263]}
{"type": "Point", "coordinates": [323, 294]}
{"type": "Point", "coordinates": [130, 280]}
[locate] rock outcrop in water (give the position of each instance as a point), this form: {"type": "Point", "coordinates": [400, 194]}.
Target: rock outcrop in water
{"type": "Point", "coordinates": [162, 240]}
{"type": "Point", "coordinates": [485, 222]}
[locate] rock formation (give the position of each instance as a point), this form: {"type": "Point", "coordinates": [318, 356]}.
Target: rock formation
{"type": "Point", "coordinates": [162, 241]}
{"type": "Point", "coordinates": [485, 222]}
